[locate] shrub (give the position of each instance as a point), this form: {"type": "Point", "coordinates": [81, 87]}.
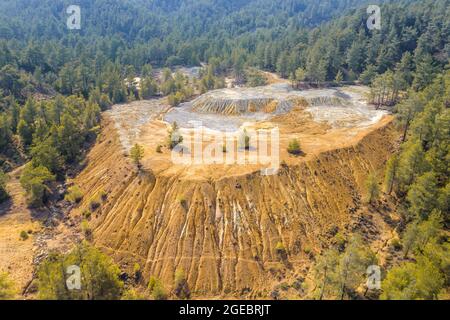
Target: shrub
{"type": "Point", "coordinates": [132, 294]}
{"type": "Point", "coordinates": [307, 250]}
{"type": "Point", "coordinates": [373, 190]}
{"type": "Point", "coordinates": [159, 148]}
{"type": "Point", "coordinates": [255, 78]}
{"type": "Point", "coordinates": [156, 289]}
{"type": "Point", "coordinates": [99, 276]}
{"type": "Point", "coordinates": [340, 240]}
{"type": "Point", "coordinates": [102, 195]}
{"type": "Point", "coordinates": [159, 293]}
{"type": "Point", "coordinates": [23, 235]}
{"type": "Point", "coordinates": [34, 180]}
{"type": "Point", "coordinates": [137, 153]}
{"type": "Point", "coordinates": [294, 147]}
{"type": "Point", "coordinates": [86, 229]}
{"type": "Point", "coordinates": [181, 288]}
{"type": "Point", "coordinates": [284, 286]}
{"type": "Point", "coordinates": [244, 141]}
{"type": "Point", "coordinates": [183, 202]}
{"type": "Point", "coordinates": [395, 243]}
{"type": "Point", "coordinates": [6, 287]}
{"type": "Point", "coordinates": [174, 138]}
{"type": "Point", "coordinates": [137, 271]}
{"type": "Point", "coordinates": [280, 250]}
{"type": "Point", "coordinates": [74, 195]}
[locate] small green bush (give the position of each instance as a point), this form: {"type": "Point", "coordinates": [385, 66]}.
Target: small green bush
{"type": "Point", "coordinates": [86, 229]}
{"type": "Point", "coordinates": [132, 294]}
{"type": "Point", "coordinates": [137, 271]}
{"type": "Point", "coordinates": [74, 195]}
{"type": "Point", "coordinates": [102, 195]}
{"type": "Point", "coordinates": [7, 290]}
{"type": "Point", "coordinates": [340, 240]}
{"type": "Point", "coordinates": [294, 147]}
{"type": "Point", "coordinates": [280, 246]}
{"type": "Point", "coordinates": [159, 293]}
{"type": "Point", "coordinates": [181, 288]}
{"type": "Point", "coordinates": [244, 141]}
{"type": "Point", "coordinates": [280, 250]}
{"type": "Point", "coordinates": [23, 235]}
{"type": "Point", "coordinates": [156, 289]}
{"type": "Point", "coordinates": [307, 250]}
{"type": "Point", "coordinates": [395, 243]}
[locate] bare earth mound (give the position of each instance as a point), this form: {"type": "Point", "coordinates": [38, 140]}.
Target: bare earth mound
{"type": "Point", "coordinates": [222, 223]}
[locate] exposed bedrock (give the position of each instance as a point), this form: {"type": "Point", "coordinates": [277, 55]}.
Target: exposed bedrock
{"type": "Point", "coordinates": [224, 232]}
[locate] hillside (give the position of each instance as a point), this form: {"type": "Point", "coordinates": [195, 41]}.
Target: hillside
{"type": "Point", "coordinates": [240, 149]}
{"type": "Point", "coordinates": [222, 224]}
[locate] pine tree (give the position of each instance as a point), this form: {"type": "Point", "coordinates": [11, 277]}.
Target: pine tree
{"type": "Point", "coordinates": [372, 188]}
{"type": "Point", "coordinates": [339, 77]}
{"type": "Point", "coordinates": [149, 88]}
{"type": "Point", "coordinates": [338, 275]}
{"type": "Point", "coordinates": [407, 110]}
{"type": "Point", "coordinates": [137, 153]}
{"type": "Point", "coordinates": [391, 173]}
{"type": "Point", "coordinates": [368, 75]}
{"type": "Point", "coordinates": [423, 196]}
{"type": "Point", "coordinates": [99, 276]}
{"type": "Point", "coordinates": [46, 155]}
{"type": "Point", "coordinates": [294, 147]}
{"type": "Point", "coordinates": [425, 71]}
{"type": "Point", "coordinates": [412, 163]}
{"type": "Point", "coordinates": [35, 182]}
{"type": "Point", "coordinates": [413, 281]}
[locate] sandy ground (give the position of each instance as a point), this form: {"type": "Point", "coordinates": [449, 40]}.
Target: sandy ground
{"type": "Point", "coordinates": [131, 118]}
{"type": "Point", "coordinates": [46, 228]}
{"type": "Point", "coordinates": [16, 255]}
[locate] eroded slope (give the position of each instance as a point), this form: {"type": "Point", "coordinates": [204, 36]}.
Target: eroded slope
{"type": "Point", "coordinates": [223, 229]}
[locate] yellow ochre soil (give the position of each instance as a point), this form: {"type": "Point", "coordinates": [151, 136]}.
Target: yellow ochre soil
{"type": "Point", "coordinates": [221, 223]}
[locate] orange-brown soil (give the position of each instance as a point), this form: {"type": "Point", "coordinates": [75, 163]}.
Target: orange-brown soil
{"type": "Point", "coordinates": [222, 223]}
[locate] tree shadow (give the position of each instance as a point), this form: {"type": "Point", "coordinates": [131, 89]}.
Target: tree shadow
{"type": "Point", "coordinates": [5, 206]}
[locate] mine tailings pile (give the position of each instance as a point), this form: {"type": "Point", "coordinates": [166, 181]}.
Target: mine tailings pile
{"type": "Point", "coordinates": [233, 235]}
